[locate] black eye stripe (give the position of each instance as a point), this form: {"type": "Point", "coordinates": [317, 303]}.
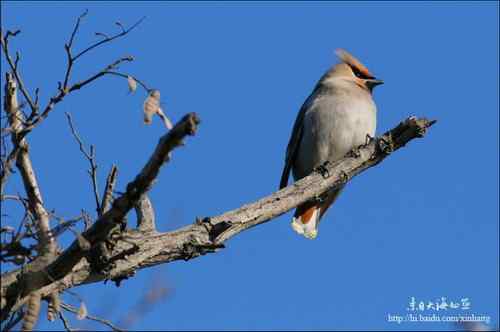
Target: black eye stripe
{"type": "Point", "coordinates": [359, 74]}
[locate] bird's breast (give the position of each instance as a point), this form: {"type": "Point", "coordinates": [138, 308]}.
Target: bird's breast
{"type": "Point", "coordinates": [333, 125]}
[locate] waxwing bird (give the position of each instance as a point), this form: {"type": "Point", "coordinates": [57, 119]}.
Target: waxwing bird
{"type": "Point", "coordinates": [334, 119]}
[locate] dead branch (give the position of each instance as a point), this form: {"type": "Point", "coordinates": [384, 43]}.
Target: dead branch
{"type": "Point", "coordinates": [107, 40]}
{"type": "Point", "coordinates": [74, 310]}
{"type": "Point", "coordinates": [4, 41]}
{"type": "Point", "coordinates": [65, 322]}
{"type": "Point", "coordinates": [23, 163]}
{"type": "Point", "coordinates": [108, 190]}
{"type": "Point", "coordinates": [90, 156]}
{"type": "Point", "coordinates": [102, 228]}
{"type": "Point", "coordinates": [145, 214]}
{"type": "Point", "coordinates": [135, 250]}
{"type": "Point", "coordinates": [47, 245]}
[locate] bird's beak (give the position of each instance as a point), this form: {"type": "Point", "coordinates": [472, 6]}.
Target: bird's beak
{"type": "Point", "coordinates": [373, 82]}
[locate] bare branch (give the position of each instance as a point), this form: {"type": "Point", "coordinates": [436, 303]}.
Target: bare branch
{"type": "Point", "coordinates": [102, 228]}
{"type": "Point", "coordinates": [107, 40]}
{"type": "Point", "coordinates": [7, 166]}
{"type": "Point", "coordinates": [68, 47]}
{"type": "Point", "coordinates": [14, 319]}
{"type": "Point", "coordinates": [77, 25]}
{"type": "Point", "coordinates": [101, 34]}
{"type": "Point", "coordinates": [4, 41]}
{"type": "Point", "coordinates": [65, 225]}
{"type": "Point", "coordinates": [47, 245]}
{"type": "Point", "coordinates": [65, 322]}
{"type": "Point", "coordinates": [135, 250]}
{"type": "Point", "coordinates": [135, 189]}
{"type": "Point", "coordinates": [74, 310]}
{"type": "Point", "coordinates": [25, 167]}
{"type": "Point", "coordinates": [103, 72]}
{"type": "Point", "coordinates": [63, 87]}
{"type": "Point", "coordinates": [91, 159]}
{"type": "Point", "coordinates": [34, 121]}
{"type": "Point", "coordinates": [108, 190]}
{"type": "Point", "coordinates": [145, 214]}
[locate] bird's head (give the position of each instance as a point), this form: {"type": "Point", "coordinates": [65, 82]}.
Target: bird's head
{"type": "Point", "coordinates": [352, 69]}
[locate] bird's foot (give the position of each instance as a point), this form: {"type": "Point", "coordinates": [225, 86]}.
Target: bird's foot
{"type": "Point", "coordinates": [323, 170]}
{"type": "Point", "coordinates": [354, 152]}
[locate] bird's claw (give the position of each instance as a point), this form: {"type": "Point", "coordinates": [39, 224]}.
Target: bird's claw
{"type": "Point", "coordinates": [355, 152]}
{"type": "Point", "coordinates": [323, 170]}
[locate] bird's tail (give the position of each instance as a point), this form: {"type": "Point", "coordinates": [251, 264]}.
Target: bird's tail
{"type": "Point", "coordinates": [306, 220]}
{"type": "Point", "coordinates": [307, 216]}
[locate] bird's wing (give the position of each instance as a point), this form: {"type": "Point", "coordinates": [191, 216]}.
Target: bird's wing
{"type": "Point", "coordinates": [295, 139]}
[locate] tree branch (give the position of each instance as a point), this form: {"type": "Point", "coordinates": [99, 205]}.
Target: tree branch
{"type": "Point", "coordinates": [4, 41]}
{"type": "Point", "coordinates": [90, 156]}
{"type": "Point", "coordinates": [107, 40]}
{"type": "Point", "coordinates": [47, 245]}
{"type": "Point", "coordinates": [102, 228]}
{"type": "Point", "coordinates": [145, 214]}
{"type": "Point", "coordinates": [32, 123]}
{"type": "Point", "coordinates": [23, 162]}
{"type": "Point", "coordinates": [135, 249]}
{"type": "Point", "coordinates": [74, 310]}
{"type": "Point", "coordinates": [108, 190]}
{"type": "Point", "coordinates": [68, 47]}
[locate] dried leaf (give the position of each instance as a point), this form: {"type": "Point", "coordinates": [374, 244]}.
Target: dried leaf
{"type": "Point", "coordinates": [151, 106]}
{"type": "Point", "coordinates": [82, 311]}
{"type": "Point", "coordinates": [132, 84]}
{"type": "Point", "coordinates": [165, 119]}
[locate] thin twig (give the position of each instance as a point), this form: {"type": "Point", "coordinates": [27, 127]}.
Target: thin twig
{"type": "Point", "coordinates": [65, 322]}
{"type": "Point", "coordinates": [68, 46]}
{"type": "Point", "coordinates": [74, 310]}
{"type": "Point", "coordinates": [103, 72]}
{"type": "Point", "coordinates": [91, 159]}
{"type": "Point", "coordinates": [107, 40]}
{"type": "Point", "coordinates": [14, 319]}
{"type": "Point", "coordinates": [13, 65]}
{"type": "Point", "coordinates": [33, 121]}
{"type": "Point", "coordinates": [7, 167]}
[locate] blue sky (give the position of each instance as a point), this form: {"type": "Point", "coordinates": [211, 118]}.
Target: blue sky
{"type": "Point", "coordinates": [422, 224]}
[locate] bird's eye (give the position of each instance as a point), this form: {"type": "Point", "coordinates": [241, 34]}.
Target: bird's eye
{"type": "Point", "coordinates": [356, 72]}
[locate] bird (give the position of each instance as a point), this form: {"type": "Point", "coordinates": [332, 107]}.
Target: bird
{"type": "Point", "coordinates": [339, 115]}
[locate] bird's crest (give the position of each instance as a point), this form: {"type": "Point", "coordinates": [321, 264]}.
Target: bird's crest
{"type": "Point", "coordinates": [353, 62]}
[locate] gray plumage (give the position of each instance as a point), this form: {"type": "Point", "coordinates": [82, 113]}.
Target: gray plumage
{"type": "Point", "coordinates": [335, 118]}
